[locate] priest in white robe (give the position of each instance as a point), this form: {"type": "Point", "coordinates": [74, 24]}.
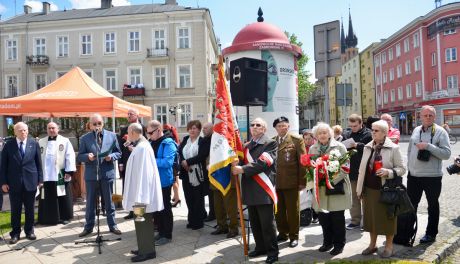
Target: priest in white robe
{"type": "Point", "coordinates": [58, 163]}
{"type": "Point", "coordinates": [142, 186]}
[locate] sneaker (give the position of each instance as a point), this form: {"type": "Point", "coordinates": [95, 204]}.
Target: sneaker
{"type": "Point", "coordinates": [352, 226]}
{"type": "Point", "coordinates": [162, 241]}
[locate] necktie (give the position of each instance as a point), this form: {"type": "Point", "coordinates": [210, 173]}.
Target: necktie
{"type": "Point", "coordinates": [281, 140]}
{"type": "Point", "coordinates": [21, 149]}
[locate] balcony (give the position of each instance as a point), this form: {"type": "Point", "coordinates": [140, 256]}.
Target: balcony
{"type": "Point", "coordinates": [157, 53]}
{"type": "Point", "coordinates": [37, 60]}
{"type": "Point", "coordinates": [442, 94]}
{"type": "Point", "coordinates": [133, 90]}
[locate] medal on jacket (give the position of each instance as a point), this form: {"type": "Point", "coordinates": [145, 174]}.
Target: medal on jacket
{"type": "Point", "coordinates": [287, 155]}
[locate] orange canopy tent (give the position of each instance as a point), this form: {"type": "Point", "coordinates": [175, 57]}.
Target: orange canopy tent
{"type": "Point", "coordinates": [75, 94]}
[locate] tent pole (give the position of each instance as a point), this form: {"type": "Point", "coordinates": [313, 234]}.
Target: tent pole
{"type": "Point", "coordinates": [113, 121]}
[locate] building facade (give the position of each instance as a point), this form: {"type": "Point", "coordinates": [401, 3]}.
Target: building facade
{"type": "Point", "coordinates": [367, 81]}
{"type": "Point", "coordinates": [159, 55]}
{"type": "Point", "coordinates": [419, 65]}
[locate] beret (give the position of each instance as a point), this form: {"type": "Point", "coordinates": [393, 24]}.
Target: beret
{"type": "Point", "coordinates": [279, 120]}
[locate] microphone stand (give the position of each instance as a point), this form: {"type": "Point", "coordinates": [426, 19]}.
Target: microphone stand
{"type": "Point", "coordinates": [99, 239]}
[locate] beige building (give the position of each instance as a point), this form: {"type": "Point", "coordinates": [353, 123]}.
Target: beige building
{"type": "Point", "coordinates": [159, 55]}
{"type": "Point", "coordinates": [367, 80]}
{"type": "Point", "coordinates": [350, 77]}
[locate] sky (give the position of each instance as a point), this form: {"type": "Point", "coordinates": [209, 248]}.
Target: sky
{"type": "Point", "coordinates": [372, 20]}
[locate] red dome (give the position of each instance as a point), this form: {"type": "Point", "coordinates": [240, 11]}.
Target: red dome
{"type": "Point", "coordinates": [261, 35]}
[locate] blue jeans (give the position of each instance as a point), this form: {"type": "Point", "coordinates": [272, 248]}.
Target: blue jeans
{"type": "Point", "coordinates": [91, 194]}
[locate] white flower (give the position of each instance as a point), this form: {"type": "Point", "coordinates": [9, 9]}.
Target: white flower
{"type": "Point", "coordinates": [334, 154]}
{"type": "Point", "coordinates": [333, 166]}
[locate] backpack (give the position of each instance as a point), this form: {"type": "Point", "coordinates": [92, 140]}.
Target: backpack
{"type": "Point", "coordinates": [406, 229]}
{"type": "Point", "coordinates": [306, 216]}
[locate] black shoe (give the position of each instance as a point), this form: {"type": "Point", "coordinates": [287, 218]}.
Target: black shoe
{"type": "Point", "coordinates": [116, 231]}
{"type": "Point", "coordinates": [140, 258]}
{"type": "Point", "coordinates": [210, 218]}
{"type": "Point", "coordinates": [336, 251]}
{"type": "Point", "coordinates": [255, 253]}
{"type": "Point", "coordinates": [281, 238]}
{"type": "Point", "coordinates": [135, 251]}
{"type": "Point", "coordinates": [232, 234]}
{"type": "Point", "coordinates": [188, 226]}
{"type": "Point", "coordinates": [31, 236]}
{"type": "Point", "coordinates": [325, 248]}
{"type": "Point", "coordinates": [197, 227]}
{"type": "Point", "coordinates": [219, 231]}
{"type": "Point", "coordinates": [129, 216]}
{"type": "Point", "coordinates": [293, 243]}
{"type": "Point", "coordinates": [271, 259]}
{"type": "Point", "coordinates": [14, 239]}
{"type": "Point", "coordinates": [427, 239]}
{"type": "Point", "coordinates": [85, 232]}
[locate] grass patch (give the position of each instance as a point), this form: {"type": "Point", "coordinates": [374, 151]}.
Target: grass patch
{"type": "Point", "coordinates": [5, 223]}
{"type": "Point", "coordinates": [376, 261]}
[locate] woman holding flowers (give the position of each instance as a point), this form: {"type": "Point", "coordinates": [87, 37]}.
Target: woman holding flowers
{"type": "Point", "coordinates": [381, 160]}
{"type": "Point", "coordinates": [328, 163]}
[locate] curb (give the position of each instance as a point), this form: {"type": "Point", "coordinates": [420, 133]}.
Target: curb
{"type": "Point", "coordinates": [448, 249]}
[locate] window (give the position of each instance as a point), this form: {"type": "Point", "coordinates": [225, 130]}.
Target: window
{"type": "Point", "coordinates": [86, 45]}
{"type": "Point", "coordinates": [384, 77]}
{"type": "Point", "coordinates": [392, 74]}
{"type": "Point", "coordinates": [417, 64]}
{"type": "Point", "coordinates": [398, 50]}
{"type": "Point", "coordinates": [40, 81]}
{"type": "Point", "coordinates": [452, 82]}
{"type": "Point", "coordinates": [416, 40]}
{"type": "Point", "coordinates": [185, 76]}
{"type": "Point", "coordinates": [406, 45]}
{"type": "Point", "coordinates": [435, 84]}
{"type": "Point", "coordinates": [11, 85]}
{"type": "Point", "coordinates": [183, 38]}
{"type": "Point", "coordinates": [399, 71]}
{"type": "Point", "coordinates": [409, 90]}
{"type": "Point", "coordinates": [159, 39]}
{"type": "Point", "coordinates": [418, 88]}
{"type": "Point", "coordinates": [407, 67]}
{"type": "Point", "coordinates": [451, 54]}
{"type": "Point", "coordinates": [379, 98]}
{"type": "Point", "coordinates": [385, 97]}
{"type": "Point", "coordinates": [392, 95]}
{"type": "Point", "coordinates": [186, 114]}
{"type": "Point", "coordinates": [12, 49]}
{"type": "Point", "coordinates": [390, 54]}
{"type": "Point", "coordinates": [109, 43]}
{"type": "Point", "coordinates": [134, 38]}
{"type": "Point", "coordinates": [160, 77]}
{"type": "Point", "coordinates": [449, 31]}
{"type": "Point", "coordinates": [89, 73]}
{"type": "Point", "coordinates": [110, 79]}
{"type": "Point", "coordinates": [40, 46]}
{"type": "Point", "coordinates": [59, 74]}
{"type": "Point", "coordinates": [161, 113]}
{"type": "Point", "coordinates": [384, 57]}
{"type": "Point", "coordinates": [377, 79]}
{"type": "Point", "coordinates": [134, 75]}
{"type": "Point", "coordinates": [400, 93]}
{"type": "Point", "coordinates": [377, 61]}
{"type": "Point", "coordinates": [433, 59]}
{"type": "Point", "coordinates": [62, 46]}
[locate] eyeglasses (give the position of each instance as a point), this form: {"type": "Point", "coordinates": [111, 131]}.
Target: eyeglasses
{"type": "Point", "coordinates": [97, 124]}
{"type": "Point", "coordinates": [131, 114]}
{"type": "Point", "coordinates": [151, 132]}
{"type": "Point", "coordinates": [256, 125]}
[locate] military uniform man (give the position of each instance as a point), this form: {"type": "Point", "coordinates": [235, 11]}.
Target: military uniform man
{"type": "Point", "coordinates": [290, 178]}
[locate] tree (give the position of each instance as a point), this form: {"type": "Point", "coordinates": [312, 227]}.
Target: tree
{"type": "Point", "coordinates": [78, 127]}
{"type": "Point", "coordinates": [37, 127]}
{"type": "Point", "coordinates": [304, 85]}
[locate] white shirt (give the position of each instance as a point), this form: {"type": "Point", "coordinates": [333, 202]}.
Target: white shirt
{"type": "Point", "coordinates": [23, 144]}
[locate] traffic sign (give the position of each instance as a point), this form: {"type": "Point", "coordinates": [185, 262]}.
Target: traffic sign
{"type": "Point", "coordinates": [402, 116]}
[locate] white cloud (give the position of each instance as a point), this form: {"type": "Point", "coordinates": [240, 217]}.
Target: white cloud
{"type": "Point", "coordinates": [2, 8]}
{"type": "Point", "coordinates": [81, 4]}
{"type": "Point", "coordinates": [37, 5]}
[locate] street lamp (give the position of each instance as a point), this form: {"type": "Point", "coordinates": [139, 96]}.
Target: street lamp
{"type": "Point", "coordinates": [176, 111]}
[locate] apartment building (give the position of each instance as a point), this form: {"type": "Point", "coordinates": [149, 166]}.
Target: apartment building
{"type": "Point", "coordinates": [159, 55]}
{"type": "Point", "coordinates": [367, 81]}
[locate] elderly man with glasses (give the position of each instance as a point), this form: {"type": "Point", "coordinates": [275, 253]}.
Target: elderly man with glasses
{"type": "Point", "coordinates": [98, 150]}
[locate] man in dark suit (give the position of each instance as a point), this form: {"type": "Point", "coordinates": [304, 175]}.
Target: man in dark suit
{"type": "Point", "coordinates": [103, 144]}
{"type": "Point", "coordinates": [258, 189]}
{"type": "Point", "coordinates": [20, 174]}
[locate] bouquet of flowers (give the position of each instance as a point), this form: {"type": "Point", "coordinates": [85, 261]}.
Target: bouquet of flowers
{"type": "Point", "coordinates": [323, 169]}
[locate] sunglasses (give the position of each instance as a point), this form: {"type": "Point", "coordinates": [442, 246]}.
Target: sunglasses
{"type": "Point", "coordinates": [256, 125]}
{"type": "Point", "coordinates": [151, 132]}
{"type": "Point", "coordinates": [97, 124]}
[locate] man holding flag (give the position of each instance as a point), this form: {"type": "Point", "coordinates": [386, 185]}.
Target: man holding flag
{"type": "Point", "coordinates": [258, 188]}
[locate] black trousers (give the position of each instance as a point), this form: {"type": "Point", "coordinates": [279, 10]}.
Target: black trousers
{"type": "Point", "coordinates": [211, 213]}
{"type": "Point", "coordinates": [194, 198]}
{"type": "Point", "coordinates": [333, 225]}
{"type": "Point", "coordinates": [17, 199]}
{"type": "Point", "coordinates": [432, 188]}
{"type": "Point", "coordinates": [164, 218]}
{"type": "Point", "coordinates": [262, 219]}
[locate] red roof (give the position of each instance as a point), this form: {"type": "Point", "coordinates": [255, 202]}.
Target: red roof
{"type": "Point", "coordinates": [261, 35]}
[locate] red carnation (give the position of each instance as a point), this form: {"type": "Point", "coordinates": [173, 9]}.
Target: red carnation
{"type": "Point", "coordinates": [305, 160]}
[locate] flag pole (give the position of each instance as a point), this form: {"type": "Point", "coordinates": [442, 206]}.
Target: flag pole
{"type": "Point", "coordinates": [240, 211]}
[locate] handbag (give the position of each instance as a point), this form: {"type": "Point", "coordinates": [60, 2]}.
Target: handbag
{"type": "Point", "coordinates": [394, 195]}
{"type": "Point", "coordinates": [338, 189]}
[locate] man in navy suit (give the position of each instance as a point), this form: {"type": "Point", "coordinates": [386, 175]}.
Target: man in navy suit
{"type": "Point", "coordinates": [20, 174]}
{"type": "Point", "coordinates": [103, 144]}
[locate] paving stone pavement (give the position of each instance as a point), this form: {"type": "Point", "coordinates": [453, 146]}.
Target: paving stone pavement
{"type": "Point", "coordinates": [55, 244]}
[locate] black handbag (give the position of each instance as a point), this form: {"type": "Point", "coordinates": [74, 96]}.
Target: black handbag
{"type": "Point", "coordinates": [390, 192]}
{"type": "Point", "coordinates": [338, 189]}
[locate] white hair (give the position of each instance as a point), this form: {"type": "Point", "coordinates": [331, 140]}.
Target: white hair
{"type": "Point", "coordinates": [136, 128]}
{"type": "Point", "coordinates": [261, 121]}
{"type": "Point", "coordinates": [429, 108]}
{"type": "Point", "coordinates": [322, 126]}
{"type": "Point", "coordinates": [382, 125]}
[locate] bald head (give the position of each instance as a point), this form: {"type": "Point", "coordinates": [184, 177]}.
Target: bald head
{"type": "Point", "coordinates": [96, 122]}
{"type": "Point", "coordinates": [21, 130]}
{"type": "Point", "coordinates": [52, 129]}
